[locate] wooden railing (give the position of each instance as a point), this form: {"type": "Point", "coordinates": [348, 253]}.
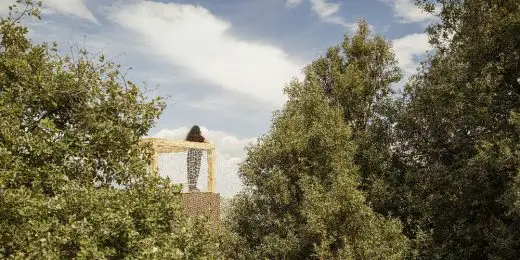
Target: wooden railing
{"type": "Point", "coordinates": [176, 146]}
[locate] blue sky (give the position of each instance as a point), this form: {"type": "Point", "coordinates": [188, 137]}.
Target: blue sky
{"type": "Point", "coordinates": [223, 64]}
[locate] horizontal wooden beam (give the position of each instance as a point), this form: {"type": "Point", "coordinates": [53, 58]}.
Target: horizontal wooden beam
{"type": "Point", "coordinates": [175, 146]}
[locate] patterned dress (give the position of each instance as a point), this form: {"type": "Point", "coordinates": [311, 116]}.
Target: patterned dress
{"type": "Point", "coordinates": [193, 163]}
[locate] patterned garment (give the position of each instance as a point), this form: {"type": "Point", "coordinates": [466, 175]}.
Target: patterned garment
{"type": "Point", "coordinates": [193, 163]}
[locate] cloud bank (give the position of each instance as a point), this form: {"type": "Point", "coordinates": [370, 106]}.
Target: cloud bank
{"type": "Point", "coordinates": [408, 49]}
{"type": "Point", "coordinates": [71, 7]}
{"type": "Point", "coordinates": [407, 12]}
{"type": "Point", "coordinates": [192, 38]}
{"type": "Point", "coordinates": [74, 8]}
{"type": "Point", "coordinates": [326, 11]}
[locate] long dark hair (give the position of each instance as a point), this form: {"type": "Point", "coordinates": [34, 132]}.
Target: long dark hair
{"type": "Point", "coordinates": [194, 135]}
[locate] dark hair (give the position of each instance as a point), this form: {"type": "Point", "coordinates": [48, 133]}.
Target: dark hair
{"type": "Point", "coordinates": [194, 135]}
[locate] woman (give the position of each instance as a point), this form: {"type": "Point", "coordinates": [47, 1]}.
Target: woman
{"type": "Point", "coordinates": [194, 156]}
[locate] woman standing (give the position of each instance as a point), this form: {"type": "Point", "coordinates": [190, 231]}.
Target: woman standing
{"type": "Point", "coordinates": [194, 156]}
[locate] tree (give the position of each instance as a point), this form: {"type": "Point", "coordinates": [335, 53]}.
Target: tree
{"type": "Point", "coordinates": [302, 198]}
{"type": "Point", "coordinates": [458, 134]}
{"type": "Point", "coordinates": [357, 76]}
{"type": "Point", "coordinates": [74, 181]}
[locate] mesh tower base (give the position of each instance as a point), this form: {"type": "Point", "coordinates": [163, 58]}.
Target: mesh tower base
{"type": "Point", "coordinates": [194, 204]}
{"type": "Point", "coordinates": [206, 204]}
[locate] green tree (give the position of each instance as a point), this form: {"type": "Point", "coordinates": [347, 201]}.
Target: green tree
{"type": "Point", "coordinates": [302, 198]}
{"type": "Point", "coordinates": [357, 76]}
{"type": "Point", "coordinates": [458, 134]}
{"type": "Point", "coordinates": [74, 181]}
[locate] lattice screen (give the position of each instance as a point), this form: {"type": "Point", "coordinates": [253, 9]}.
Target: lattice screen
{"type": "Point", "coordinates": [174, 165]}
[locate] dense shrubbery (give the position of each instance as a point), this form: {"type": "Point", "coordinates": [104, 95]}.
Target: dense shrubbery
{"type": "Point", "coordinates": [69, 131]}
{"type": "Point", "coordinates": [303, 198]}
{"type": "Point", "coordinates": [443, 158]}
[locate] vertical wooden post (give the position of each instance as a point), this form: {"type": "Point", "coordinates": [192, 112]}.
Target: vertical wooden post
{"type": "Point", "coordinates": [211, 170]}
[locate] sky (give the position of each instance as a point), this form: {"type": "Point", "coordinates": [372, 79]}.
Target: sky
{"type": "Point", "coordinates": [223, 64]}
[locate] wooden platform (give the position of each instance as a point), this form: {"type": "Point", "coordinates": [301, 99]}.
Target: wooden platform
{"type": "Point", "coordinates": [202, 203]}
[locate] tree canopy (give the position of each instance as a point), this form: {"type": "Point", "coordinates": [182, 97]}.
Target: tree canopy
{"type": "Point", "coordinates": [442, 156]}
{"type": "Point", "coordinates": [458, 133]}
{"type": "Point", "coordinates": [303, 198]}
{"type": "Point", "coordinates": [74, 181]}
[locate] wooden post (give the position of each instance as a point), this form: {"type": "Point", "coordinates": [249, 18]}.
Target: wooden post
{"type": "Point", "coordinates": [211, 170]}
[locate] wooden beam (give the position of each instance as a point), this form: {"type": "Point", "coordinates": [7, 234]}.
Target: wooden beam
{"type": "Point", "coordinates": [175, 146]}
{"type": "Point", "coordinates": [211, 170]}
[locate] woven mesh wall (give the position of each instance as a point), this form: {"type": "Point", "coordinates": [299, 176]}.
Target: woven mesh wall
{"type": "Point", "coordinates": [174, 166]}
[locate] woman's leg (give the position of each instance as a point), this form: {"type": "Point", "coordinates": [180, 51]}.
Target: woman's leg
{"type": "Point", "coordinates": [193, 163]}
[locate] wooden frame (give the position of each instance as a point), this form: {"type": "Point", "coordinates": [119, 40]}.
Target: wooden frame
{"type": "Point", "coordinates": [176, 146]}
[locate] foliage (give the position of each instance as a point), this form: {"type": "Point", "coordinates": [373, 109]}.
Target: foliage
{"type": "Point", "coordinates": [303, 199]}
{"type": "Point", "coordinates": [357, 76]}
{"type": "Point", "coordinates": [444, 158]}
{"type": "Point", "coordinates": [73, 180]}
{"type": "Point", "coordinates": [457, 136]}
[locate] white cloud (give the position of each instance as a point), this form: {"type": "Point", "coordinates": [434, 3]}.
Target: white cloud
{"type": "Point", "coordinates": [192, 38]}
{"type": "Point", "coordinates": [4, 8]}
{"type": "Point", "coordinates": [230, 153]}
{"type": "Point", "coordinates": [68, 7]}
{"type": "Point", "coordinates": [326, 11]}
{"type": "Point", "coordinates": [407, 12]}
{"type": "Point", "coordinates": [293, 3]}
{"type": "Point", "coordinates": [226, 143]}
{"type": "Point", "coordinates": [71, 7]}
{"type": "Point", "coordinates": [408, 48]}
